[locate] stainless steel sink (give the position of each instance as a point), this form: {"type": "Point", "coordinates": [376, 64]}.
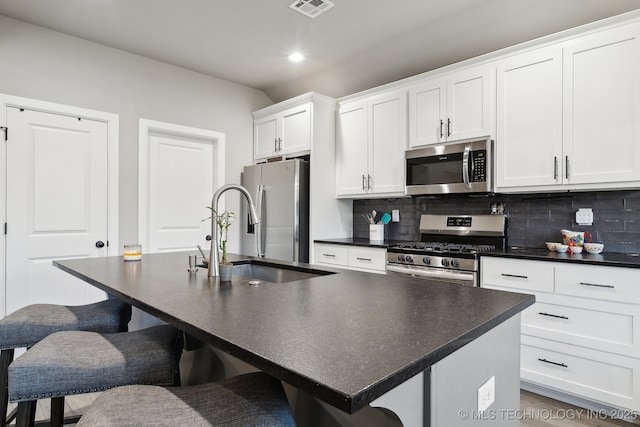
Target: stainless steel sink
{"type": "Point", "coordinates": [274, 273]}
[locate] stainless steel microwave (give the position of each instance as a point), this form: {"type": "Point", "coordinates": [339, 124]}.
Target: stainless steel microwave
{"type": "Point", "coordinates": [459, 167]}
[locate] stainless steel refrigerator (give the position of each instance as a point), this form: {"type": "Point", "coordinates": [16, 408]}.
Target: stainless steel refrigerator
{"type": "Point", "coordinates": [280, 191]}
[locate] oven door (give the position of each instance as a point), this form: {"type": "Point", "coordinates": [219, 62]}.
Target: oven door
{"type": "Point", "coordinates": [467, 278]}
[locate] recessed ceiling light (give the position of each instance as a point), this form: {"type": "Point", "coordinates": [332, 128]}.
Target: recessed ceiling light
{"type": "Point", "coordinates": [296, 57]}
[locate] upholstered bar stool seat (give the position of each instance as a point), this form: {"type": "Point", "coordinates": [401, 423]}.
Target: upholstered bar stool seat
{"type": "Point", "coordinates": [76, 362]}
{"type": "Point", "coordinates": [28, 325]}
{"type": "Point", "coordinates": [247, 400]}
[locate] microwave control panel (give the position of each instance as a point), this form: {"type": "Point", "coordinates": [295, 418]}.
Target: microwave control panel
{"type": "Point", "coordinates": [479, 166]}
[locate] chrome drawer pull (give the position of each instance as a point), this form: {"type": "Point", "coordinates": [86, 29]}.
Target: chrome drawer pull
{"type": "Point", "coordinates": [363, 259]}
{"type": "Point", "coordinates": [553, 363]}
{"type": "Point", "coordinates": [515, 275]}
{"type": "Point", "coordinates": [329, 255]}
{"type": "Point", "coordinates": [596, 285]}
{"type": "Point", "coordinates": [553, 315]}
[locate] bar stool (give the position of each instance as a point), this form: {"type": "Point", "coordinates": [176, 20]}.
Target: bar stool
{"type": "Point", "coordinates": [76, 362]}
{"type": "Point", "coordinates": [28, 325]}
{"type": "Point", "coordinates": [246, 400]}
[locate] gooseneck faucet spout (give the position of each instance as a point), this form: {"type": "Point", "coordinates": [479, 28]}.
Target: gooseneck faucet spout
{"type": "Point", "coordinates": [214, 257]}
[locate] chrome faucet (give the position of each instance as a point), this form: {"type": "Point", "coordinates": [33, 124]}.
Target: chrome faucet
{"type": "Point", "coordinates": [214, 257]}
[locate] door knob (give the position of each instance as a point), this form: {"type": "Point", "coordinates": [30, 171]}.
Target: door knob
{"type": "Point", "coordinates": [99, 244]}
{"type": "Point", "coordinates": [208, 237]}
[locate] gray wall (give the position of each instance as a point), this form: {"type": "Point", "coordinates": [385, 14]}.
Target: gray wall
{"type": "Point", "coordinates": [50, 66]}
{"type": "Point", "coordinates": [532, 218]}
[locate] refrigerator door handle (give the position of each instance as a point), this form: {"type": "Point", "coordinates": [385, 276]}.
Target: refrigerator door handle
{"type": "Point", "coordinates": [260, 228]}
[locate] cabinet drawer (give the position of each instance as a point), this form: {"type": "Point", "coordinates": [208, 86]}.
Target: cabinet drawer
{"type": "Point", "coordinates": [331, 254]}
{"type": "Point", "coordinates": [609, 328]}
{"type": "Point", "coordinates": [587, 373]}
{"type": "Point", "coordinates": [602, 283]}
{"type": "Point", "coordinates": [523, 275]}
{"type": "Point", "coordinates": [367, 258]}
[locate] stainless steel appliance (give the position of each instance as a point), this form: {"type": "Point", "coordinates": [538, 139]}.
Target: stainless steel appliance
{"type": "Point", "coordinates": [465, 166]}
{"type": "Point", "coordinates": [449, 247]}
{"type": "Point", "coordinates": [280, 191]}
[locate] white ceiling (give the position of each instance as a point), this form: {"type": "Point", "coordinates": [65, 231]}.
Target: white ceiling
{"type": "Point", "coordinates": [356, 45]}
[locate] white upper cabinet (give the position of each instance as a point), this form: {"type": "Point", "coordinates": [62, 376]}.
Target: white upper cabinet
{"type": "Point", "coordinates": [371, 142]}
{"type": "Point", "coordinates": [352, 148]}
{"type": "Point", "coordinates": [283, 133]}
{"type": "Point", "coordinates": [602, 107]}
{"type": "Point", "coordinates": [529, 119]}
{"type": "Point", "coordinates": [451, 107]}
{"type": "Point", "coordinates": [568, 115]}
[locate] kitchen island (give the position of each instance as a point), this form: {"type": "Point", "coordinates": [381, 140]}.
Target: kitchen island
{"type": "Point", "coordinates": [350, 339]}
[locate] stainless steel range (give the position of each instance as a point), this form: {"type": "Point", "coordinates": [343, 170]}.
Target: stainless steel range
{"type": "Point", "coordinates": [449, 247]}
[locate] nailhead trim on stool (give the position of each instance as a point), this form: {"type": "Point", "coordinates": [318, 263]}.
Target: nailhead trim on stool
{"type": "Point", "coordinates": [247, 400]}
{"type": "Point", "coordinates": [28, 325]}
{"type": "Point", "coordinates": [76, 362]}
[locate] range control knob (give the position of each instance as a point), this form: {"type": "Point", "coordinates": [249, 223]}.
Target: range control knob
{"type": "Point", "coordinates": [444, 262]}
{"type": "Point", "coordinates": [409, 258]}
{"type": "Point", "coordinates": [426, 260]}
{"type": "Point", "coordinates": [401, 258]}
{"type": "Point", "coordinates": [455, 263]}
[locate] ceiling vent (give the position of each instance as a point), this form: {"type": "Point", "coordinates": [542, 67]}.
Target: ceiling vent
{"type": "Point", "coordinates": [311, 8]}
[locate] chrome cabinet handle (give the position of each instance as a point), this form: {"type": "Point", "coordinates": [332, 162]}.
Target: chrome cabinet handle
{"type": "Point", "coordinates": [553, 363]}
{"type": "Point", "coordinates": [364, 183]}
{"type": "Point", "coordinates": [363, 259]}
{"type": "Point", "coordinates": [279, 144]}
{"type": "Point", "coordinates": [555, 167]}
{"type": "Point", "coordinates": [566, 167]}
{"type": "Point", "coordinates": [448, 127]}
{"type": "Point", "coordinates": [553, 315]}
{"type": "Point", "coordinates": [329, 255]}
{"type": "Point", "coordinates": [515, 275]}
{"type": "Point", "coordinates": [597, 285]}
{"type": "Point", "coordinates": [368, 182]}
{"type": "Point", "coordinates": [441, 124]}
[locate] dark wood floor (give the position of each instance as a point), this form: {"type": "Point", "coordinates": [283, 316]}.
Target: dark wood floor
{"type": "Point", "coordinates": [540, 411]}
{"type": "Point", "coordinates": [535, 411]}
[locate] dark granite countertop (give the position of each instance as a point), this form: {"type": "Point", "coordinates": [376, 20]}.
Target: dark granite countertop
{"type": "Point", "coordinates": [605, 258]}
{"type": "Point", "coordinates": [358, 241]}
{"type": "Point", "coordinates": [345, 338]}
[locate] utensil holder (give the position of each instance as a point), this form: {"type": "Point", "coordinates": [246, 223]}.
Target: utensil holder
{"type": "Point", "coordinates": [376, 232]}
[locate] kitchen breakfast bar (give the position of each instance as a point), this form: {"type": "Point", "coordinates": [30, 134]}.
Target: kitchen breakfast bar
{"type": "Point", "coordinates": [435, 354]}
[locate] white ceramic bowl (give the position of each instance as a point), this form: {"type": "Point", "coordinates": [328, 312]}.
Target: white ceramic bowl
{"type": "Point", "coordinates": [551, 246]}
{"type": "Point", "coordinates": [594, 248]}
{"type": "Point", "coordinates": [561, 248]}
{"type": "Point", "coordinates": [576, 249]}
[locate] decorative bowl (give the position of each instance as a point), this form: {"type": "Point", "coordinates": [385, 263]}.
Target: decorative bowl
{"type": "Point", "coordinates": [594, 248]}
{"type": "Point", "coordinates": [576, 249]}
{"type": "Point", "coordinates": [561, 248]}
{"type": "Point", "coordinates": [551, 246]}
{"type": "Point", "coordinates": [575, 238]}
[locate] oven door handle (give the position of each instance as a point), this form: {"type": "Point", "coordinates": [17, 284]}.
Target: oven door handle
{"type": "Point", "coordinates": [465, 166]}
{"type": "Point", "coordinates": [432, 273]}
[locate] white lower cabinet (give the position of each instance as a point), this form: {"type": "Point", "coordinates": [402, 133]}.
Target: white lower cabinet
{"type": "Point", "coordinates": [582, 336]}
{"type": "Point", "coordinates": [353, 257]}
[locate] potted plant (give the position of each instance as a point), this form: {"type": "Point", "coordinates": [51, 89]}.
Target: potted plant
{"type": "Point", "coordinates": [223, 222]}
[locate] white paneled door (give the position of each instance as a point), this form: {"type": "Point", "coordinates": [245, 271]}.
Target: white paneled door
{"type": "Point", "coordinates": [56, 205]}
{"type": "Point", "coordinates": [180, 168]}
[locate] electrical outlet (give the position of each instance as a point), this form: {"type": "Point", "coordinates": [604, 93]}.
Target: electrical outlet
{"type": "Point", "coordinates": [486, 394]}
{"type": "Point", "coordinates": [584, 216]}
{"type": "Point", "coordinates": [395, 215]}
